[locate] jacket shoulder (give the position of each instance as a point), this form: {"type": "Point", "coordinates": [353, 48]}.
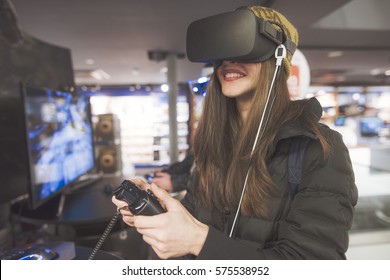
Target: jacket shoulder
{"type": "Point", "coordinates": [333, 173]}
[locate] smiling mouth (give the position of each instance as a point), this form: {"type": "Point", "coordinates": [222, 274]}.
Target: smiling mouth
{"type": "Point", "coordinates": [232, 76]}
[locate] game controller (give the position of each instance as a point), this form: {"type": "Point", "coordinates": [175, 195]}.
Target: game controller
{"type": "Point", "coordinates": [139, 201]}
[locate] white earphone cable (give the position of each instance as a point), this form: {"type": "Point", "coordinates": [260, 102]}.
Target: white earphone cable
{"type": "Point", "coordinates": [280, 54]}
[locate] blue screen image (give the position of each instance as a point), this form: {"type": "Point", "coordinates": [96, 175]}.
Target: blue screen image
{"type": "Point", "coordinates": [60, 140]}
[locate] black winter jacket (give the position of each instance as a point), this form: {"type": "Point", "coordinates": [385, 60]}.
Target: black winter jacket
{"type": "Point", "coordinates": [313, 224]}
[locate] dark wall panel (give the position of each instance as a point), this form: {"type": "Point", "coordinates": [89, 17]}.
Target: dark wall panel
{"type": "Point", "coordinates": [23, 59]}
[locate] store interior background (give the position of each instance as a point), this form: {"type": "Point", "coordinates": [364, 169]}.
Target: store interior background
{"type": "Point", "coordinates": [125, 53]}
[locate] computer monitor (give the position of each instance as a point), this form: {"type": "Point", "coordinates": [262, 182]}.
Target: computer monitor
{"type": "Point", "coordinates": [59, 141]}
{"type": "Point", "coordinates": [340, 120]}
{"type": "Point", "coordinates": [370, 126]}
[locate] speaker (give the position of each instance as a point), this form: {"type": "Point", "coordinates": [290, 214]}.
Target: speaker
{"type": "Point", "coordinates": [107, 129]}
{"type": "Point", "coordinates": [107, 144]}
{"type": "Point", "coordinates": [109, 159]}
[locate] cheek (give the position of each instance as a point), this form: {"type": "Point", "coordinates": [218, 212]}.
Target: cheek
{"type": "Point", "coordinates": [254, 82]}
{"type": "Point", "coordinates": [255, 71]}
{"type": "Point", "coordinates": [219, 75]}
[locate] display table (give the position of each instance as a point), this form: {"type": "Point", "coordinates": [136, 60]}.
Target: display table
{"type": "Point", "coordinates": [84, 216]}
{"type": "Point", "coordinates": [55, 251]}
{"type": "Point", "coordinates": [88, 205]}
{"type": "Point", "coordinates": [380, 156]}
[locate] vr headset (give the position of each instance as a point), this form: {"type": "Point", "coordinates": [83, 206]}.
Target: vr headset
{"type": "Point", "coordinates": [234, 36]}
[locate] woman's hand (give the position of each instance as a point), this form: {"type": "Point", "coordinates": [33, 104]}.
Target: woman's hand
{"type": "Point", "coordinates": [163, 180]}
{"type": "Point", "coordinates": [172, 234]}
{"type": "Point", "coordinates": [122, 206]}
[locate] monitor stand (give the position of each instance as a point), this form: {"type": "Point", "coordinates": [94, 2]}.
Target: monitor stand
{"type": "Point", "coordinates": [61, 204]}
{"type": "Point", "coordinates": [81, 183]}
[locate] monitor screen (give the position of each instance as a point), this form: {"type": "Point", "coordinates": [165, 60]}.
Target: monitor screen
{"type": "Point", "coordinates": [59, 140]}
{"type": "Point", "coordinates": [370, 126]}
{"type": "Point", "coordinates": [340, 120]}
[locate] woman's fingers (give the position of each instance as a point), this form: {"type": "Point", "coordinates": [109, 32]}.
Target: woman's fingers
{"type": "Point", "coordinates": [141, 183]}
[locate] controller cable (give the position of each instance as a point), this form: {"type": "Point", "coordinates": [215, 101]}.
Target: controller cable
{"type": "Point", "coordinates": [106, 232]}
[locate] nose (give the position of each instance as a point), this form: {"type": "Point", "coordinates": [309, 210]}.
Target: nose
{"type": "Point", "coordinates": [223, 63]}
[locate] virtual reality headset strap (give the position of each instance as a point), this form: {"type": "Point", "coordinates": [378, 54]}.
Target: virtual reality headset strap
{"type": "Point", "coordinates": [267, 29]}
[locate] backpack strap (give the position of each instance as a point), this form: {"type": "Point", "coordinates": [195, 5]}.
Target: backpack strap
{"type": "Point", "coordinates": [295, 162]}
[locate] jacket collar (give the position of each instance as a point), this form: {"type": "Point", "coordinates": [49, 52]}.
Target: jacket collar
{"type": "Point", "coordinates": [295, 128]}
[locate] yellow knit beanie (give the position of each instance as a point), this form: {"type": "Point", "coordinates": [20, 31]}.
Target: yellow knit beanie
{"type": "Point", "coordinates": [288, 29]}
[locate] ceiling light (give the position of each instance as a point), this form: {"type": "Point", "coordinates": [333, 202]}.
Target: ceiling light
{"type": "Point", "coordinates": [164, 70]}
{"type": "Point", "coordinates": [164, 88]}
{"type": "Point", "coordinates": [387, 72]}
{"type": "Point", "coordinates": [99, 74]}
{"type": "Point", "coordinates": [89, 61]}
{"type": "Point", "coordinates": [375, 71]}
{"type": "Point", "coordinates": [335, 54]}
{"type": "Point", "coordinates": [356, 96]}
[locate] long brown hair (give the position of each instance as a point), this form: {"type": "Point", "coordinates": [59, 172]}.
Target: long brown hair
{"type": "Point", "coordinates": [223, 143]}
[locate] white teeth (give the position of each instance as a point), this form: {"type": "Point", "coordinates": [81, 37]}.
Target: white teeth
{"type": "Point", "coordinates": [233, 75]}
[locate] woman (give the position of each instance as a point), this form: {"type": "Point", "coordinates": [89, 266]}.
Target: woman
{"type": "Point", "coordinates": [272, 223]}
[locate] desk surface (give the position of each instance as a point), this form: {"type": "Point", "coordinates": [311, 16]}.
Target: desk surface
{"type": "Point", "coordinates": [83, 253]}
{"type": "Point", "coordinates": [56, 251]}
